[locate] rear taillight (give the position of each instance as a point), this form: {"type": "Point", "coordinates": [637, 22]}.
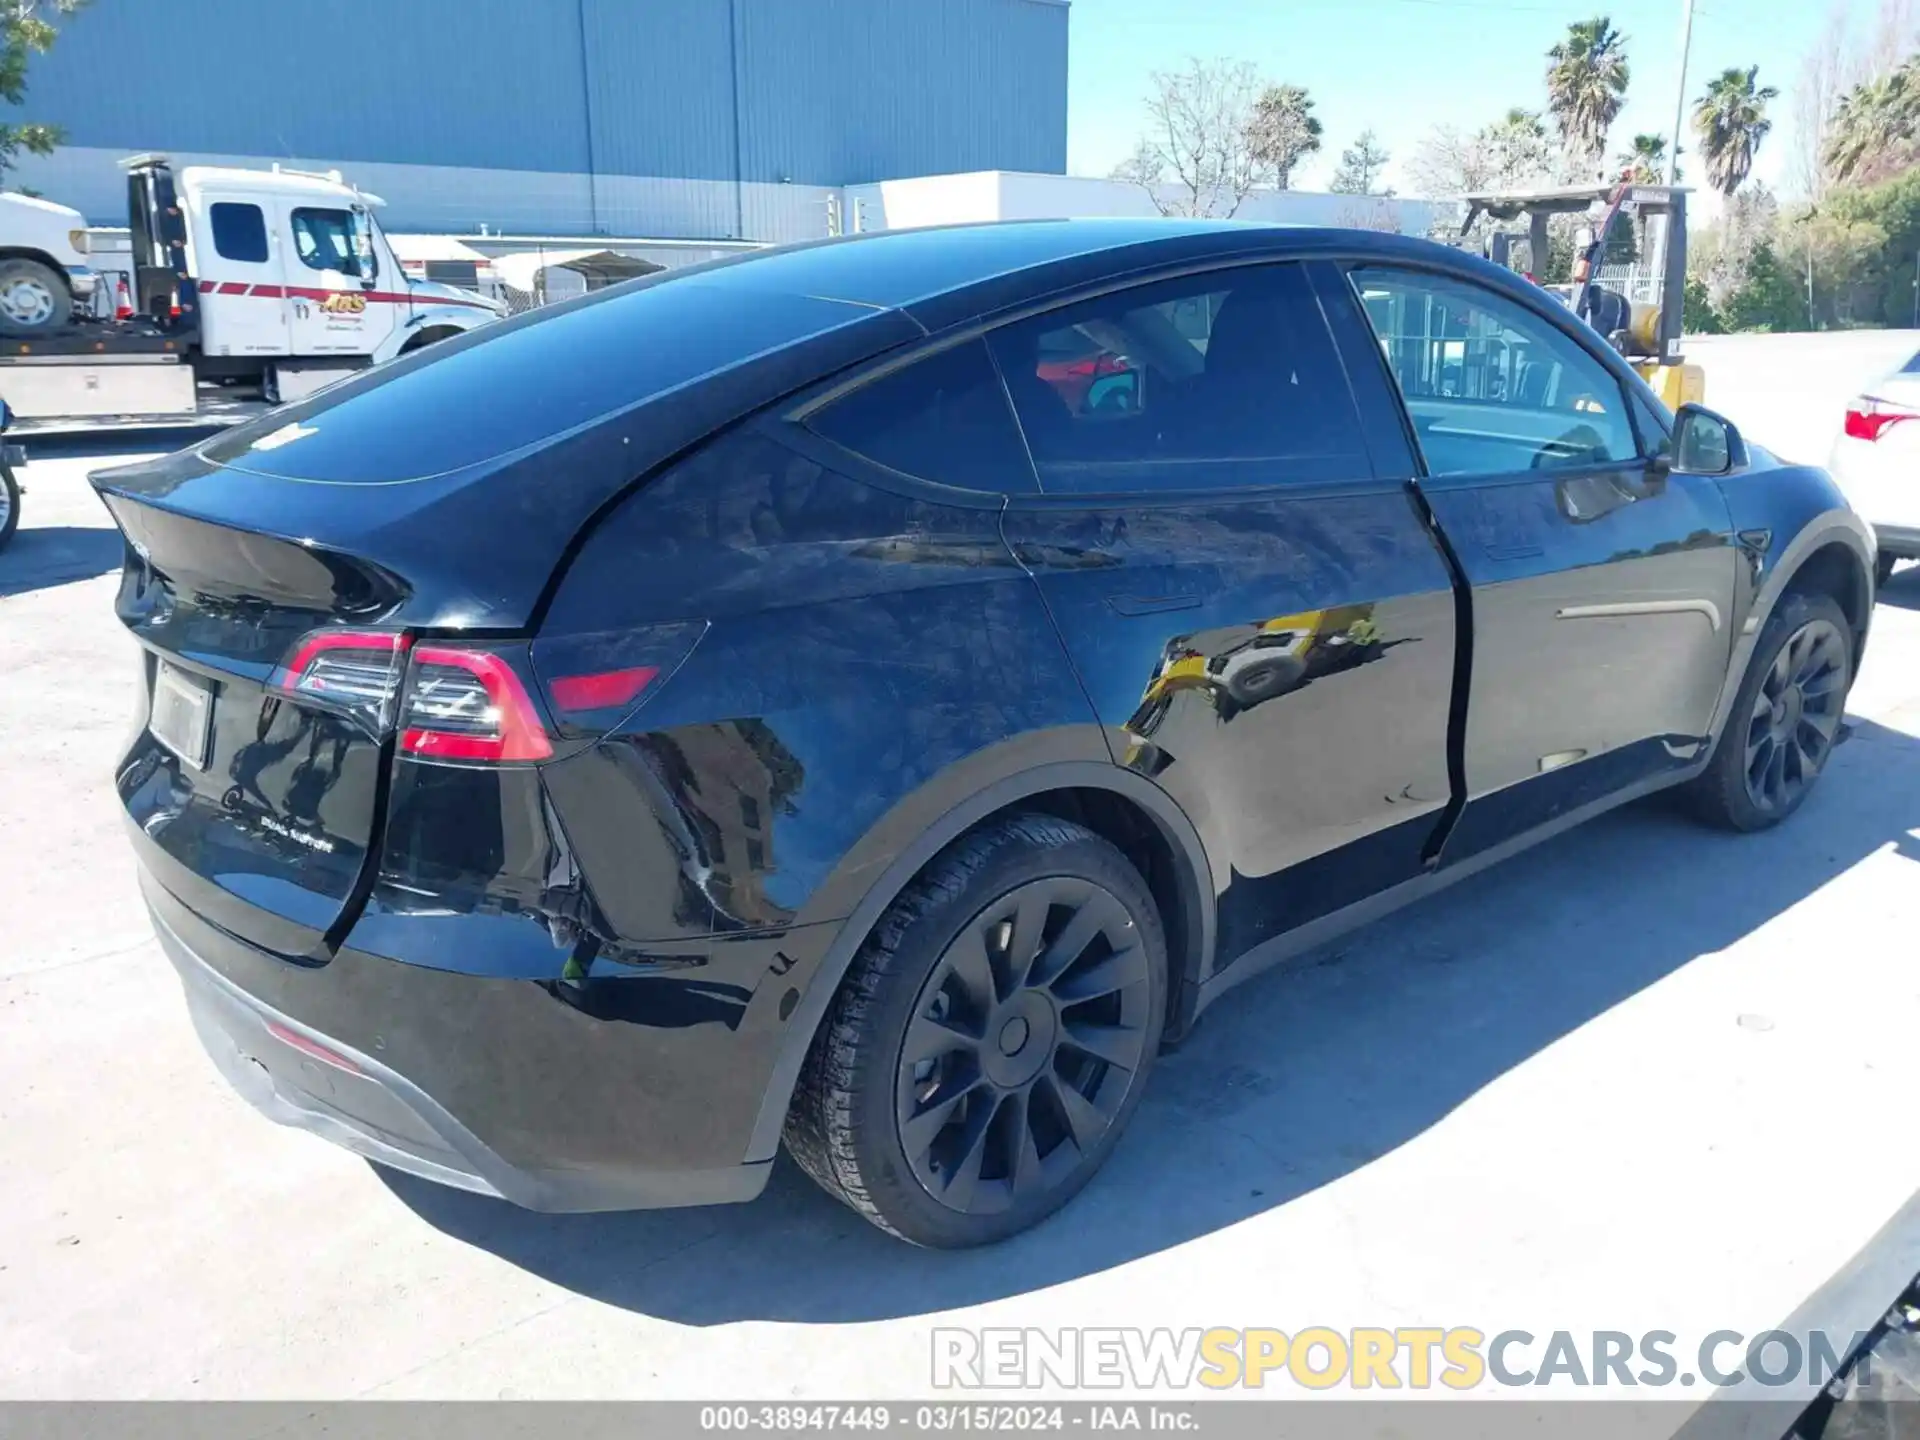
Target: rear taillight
{"type": "Point", "coordinates": [469, 705]}
{"type": "Point", "coordinates": [355, 672]}
{"type": "Point", "coordinates": [1869, 417]}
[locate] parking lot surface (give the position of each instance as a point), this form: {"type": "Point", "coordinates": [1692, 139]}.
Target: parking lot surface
{"type": "Point", "coordinates": [1647, 1076]}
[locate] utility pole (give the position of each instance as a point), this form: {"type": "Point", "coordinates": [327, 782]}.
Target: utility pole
{"type": "Point", "coordinates": [1680, 88]}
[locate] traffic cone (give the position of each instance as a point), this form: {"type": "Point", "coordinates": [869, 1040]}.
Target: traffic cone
{"type": "Point", "coordinates": [122, 300]}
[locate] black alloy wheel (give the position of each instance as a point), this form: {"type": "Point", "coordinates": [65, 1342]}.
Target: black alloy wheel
{"type": "Point", "coordinates": [1785, 719]}
{"type": "Point", "coordinates": [1025, 1041]}
{"type": "Point", "coordinates": [992, 1038]}
{"type": "Point", "coordinates": [1795, 715]}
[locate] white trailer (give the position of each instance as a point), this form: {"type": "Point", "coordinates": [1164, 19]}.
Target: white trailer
{"type": "Point", "coordinates": [276, 278]}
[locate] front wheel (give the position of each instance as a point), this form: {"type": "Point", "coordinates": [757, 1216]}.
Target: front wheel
{"type": "Point", "coordinates": [1785, 718]}
{"type": "Point", "coordinates": [991, 1040]}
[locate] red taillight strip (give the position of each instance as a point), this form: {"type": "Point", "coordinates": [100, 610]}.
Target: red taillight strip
{"type": "Point", "coordinates": [601, 691]}
{"type": "Point", "coordinates": [522, 735]}
{"type": "Point", "coordinates": [1870, 417]}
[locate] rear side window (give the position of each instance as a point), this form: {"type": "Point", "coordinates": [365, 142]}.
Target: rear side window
{"type": "Point", "coordinates": [1491, 387]}
{"type": "Point", "coordinates": [944, 418]}
{"type": "Point", "coordinates": [1217, 380]}
{"type": "Point", "coordinates": [239, 232]}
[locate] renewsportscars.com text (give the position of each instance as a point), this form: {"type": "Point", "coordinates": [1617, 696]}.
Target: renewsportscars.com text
{"type": "Point", "coordinates": [1378, 1358]}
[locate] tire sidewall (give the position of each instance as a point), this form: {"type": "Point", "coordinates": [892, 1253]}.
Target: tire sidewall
{"type": "Point", "coordinates": [1793, 611]}
{"type": "Point", "coordinates": [915, 1213]}
{"type": "Point", "coordinates": [62, 298]}
{"type": "Point", "coordinates": [12, 521]}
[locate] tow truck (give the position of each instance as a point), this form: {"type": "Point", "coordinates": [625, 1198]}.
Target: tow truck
{"type": "Point", "coordinates": [281, 279]}
{"type": "Point", "coordinates": [1639, 309]}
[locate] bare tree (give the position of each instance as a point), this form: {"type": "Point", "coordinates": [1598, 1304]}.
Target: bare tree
{"type": "Point", "coordinates": [1826, 74]}
{"type": "Point", "coordinates": [1196, 157]}
{"type": "Point", "coordinates": [1513, 151]}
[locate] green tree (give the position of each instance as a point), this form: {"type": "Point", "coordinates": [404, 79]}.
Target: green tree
{"type": "Point", "coordinates": [1647, 160]}
{"type": "Point", "coordinates": [1731, 121]}
{"type": "Point", "coordinates": [1586, 86]}
{"type": "Point", "coordinates": [1361, 165]}
{"type": "Point", "coordinates": [1772, 297]}
{"type": "Point", "coordinates": [24, 33]}
{"type": "Point", "coordinates": [1875, 130]}
{"type": "Point", "coordinates": [1283, 131]}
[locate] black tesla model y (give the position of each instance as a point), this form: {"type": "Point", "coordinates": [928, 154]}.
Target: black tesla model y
{"type": "Point", "coordinates": [874, 694]}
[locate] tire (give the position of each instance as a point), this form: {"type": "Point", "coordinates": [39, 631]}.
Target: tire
{"type": "Point", "coordinates": [1808, 648]}
{"type": "Point", "coordinates": [1265, 678]}
{"type": "Point", "coordinates": [886, 1117]}
{"type": "Point", "coordinates": [34, 300]}
{"type": "Point", "coordinates": [1883, 564]}
{"type": "Point", "coordinates": [9, 508]}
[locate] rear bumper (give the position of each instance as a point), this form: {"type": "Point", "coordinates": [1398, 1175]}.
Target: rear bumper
{"type": "Point", "coordinates": [279, 1063]}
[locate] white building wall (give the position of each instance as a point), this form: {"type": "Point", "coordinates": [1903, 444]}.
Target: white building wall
{"type": "Point", "coordinates": [1011, 195]}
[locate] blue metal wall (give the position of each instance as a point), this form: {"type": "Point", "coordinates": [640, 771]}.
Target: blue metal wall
{"type": "Point", "coordinates": [820, 92]}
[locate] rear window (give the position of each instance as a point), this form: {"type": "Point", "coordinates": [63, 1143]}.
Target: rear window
{"type": "Point", "coordinates": [520, 382]}
{"type": "Point", "coordinates": [944, 418]}
{"type": "Point", "coordinates": [239, 232]}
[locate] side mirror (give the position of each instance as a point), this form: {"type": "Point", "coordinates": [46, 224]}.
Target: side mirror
{"type": "Point", "coordinates": [6, 415]}
{"type": "Point", "coordinates": [1705, 443]}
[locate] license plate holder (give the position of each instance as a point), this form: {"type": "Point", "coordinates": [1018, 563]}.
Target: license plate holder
{"type": "Point", "coordinates": [182, 714]}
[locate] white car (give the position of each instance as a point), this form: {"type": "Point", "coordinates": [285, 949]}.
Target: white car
{"type": "Point", "coordinates": [43, 265]}
{"type": "Point", "coordinates": [1876, 461]}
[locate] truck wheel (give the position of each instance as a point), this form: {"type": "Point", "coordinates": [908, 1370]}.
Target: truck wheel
{"type": "Point", "coordinates": [991, 1040]}
{"type": "Point", "coordinates": [33, 299]}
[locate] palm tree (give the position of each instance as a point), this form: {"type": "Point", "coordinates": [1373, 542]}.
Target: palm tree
{"type": "Point", "coordinates": [1586, 86]}
{"type": "Point", "coordinates": [1875, 127]}
{"type": "Point", "coordinates": [1646, 162]}
{"type": "Point", "coordinates": [1731, 121]}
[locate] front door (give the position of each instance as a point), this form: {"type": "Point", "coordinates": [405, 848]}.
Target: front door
{"type": "Point", "coordinates": [243, 305]}
{"type": "Point", "coordinates": [332, 281]}
{"type": "Point", "coordinates": [1602, 585]}
{"type": "Point", "coordinates": [1248, 592]}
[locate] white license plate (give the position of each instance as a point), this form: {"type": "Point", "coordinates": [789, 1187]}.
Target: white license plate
{"type": "Point", "coordinates": [182, 714]}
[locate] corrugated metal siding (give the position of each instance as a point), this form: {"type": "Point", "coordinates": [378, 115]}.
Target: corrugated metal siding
{"type": "Point", "coordinates": [452, 82]}
{"type": "Point", "coordinates": [846, 91]}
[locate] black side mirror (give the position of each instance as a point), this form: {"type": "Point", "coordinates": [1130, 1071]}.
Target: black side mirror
{"type": "Point", "coordinates": [1705, 443]}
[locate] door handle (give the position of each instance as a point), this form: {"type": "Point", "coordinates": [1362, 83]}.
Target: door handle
{"type": "Point", "coordinates": [1134, 605]}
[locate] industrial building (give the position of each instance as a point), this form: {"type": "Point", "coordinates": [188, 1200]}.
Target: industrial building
{"type": "Point", "coordinates": [671, 119]}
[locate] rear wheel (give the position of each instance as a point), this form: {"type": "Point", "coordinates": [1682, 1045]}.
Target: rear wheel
{"type": "Point", "coordinates": [9, 507]}
{"type": "Point", "coordinates": [991, 1040]}
{"type": "Point", "coordinates": [1785, 718]}
{"type": "Point", "coordinates": [33, 299]}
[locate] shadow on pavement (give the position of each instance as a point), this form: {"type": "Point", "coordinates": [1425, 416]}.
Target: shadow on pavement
{"type": "Point", "coordinates": [1306, 1075]}
{"type": "Point", "coordinates": [44, 555]}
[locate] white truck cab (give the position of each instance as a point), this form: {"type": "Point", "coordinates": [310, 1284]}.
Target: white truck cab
{"type": "Point", "coordinates": [280, 278]}
{"type": "Point", "coordinates": [294, 270]}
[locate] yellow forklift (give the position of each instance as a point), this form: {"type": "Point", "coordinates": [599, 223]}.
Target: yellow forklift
{"type": "Point", "coordinates": [1638, 311]}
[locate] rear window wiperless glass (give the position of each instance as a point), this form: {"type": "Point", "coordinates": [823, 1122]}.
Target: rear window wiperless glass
{"type": "Point", "coordinates": [517, 383]}
{"type": "Point", "coordinates": [239, 232]}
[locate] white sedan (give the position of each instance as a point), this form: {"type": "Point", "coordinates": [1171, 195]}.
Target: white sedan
{"type": "Point", "coordinates": [1876, 460]}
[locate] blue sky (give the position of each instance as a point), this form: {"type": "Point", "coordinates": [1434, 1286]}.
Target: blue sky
{"type": "Point", "coordinates": [1404, 66]}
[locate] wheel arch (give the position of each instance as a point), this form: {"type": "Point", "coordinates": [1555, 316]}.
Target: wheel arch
{"type": "Point", "coordinates": [1140, 818]}
{"type": "Point", "coordinates": [1832, 554]}
{"type": "Point", "coordinates": [27, 252]}
{"type": "Point", "coordinates": [428, 334]}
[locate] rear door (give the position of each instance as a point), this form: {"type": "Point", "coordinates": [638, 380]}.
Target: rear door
{"type": "Point", "coordinates": [1602, 585]}
{"type": "Point", "coordinates": [1243, 580]}
{"type": "Point", "coordinates": [338, 308]}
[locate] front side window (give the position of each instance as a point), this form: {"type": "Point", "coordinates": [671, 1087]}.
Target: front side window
{"type": "Point", "coordinates": [1491, 387]}
{"type": "Point", "coordinates": [1224, 379]}
{"type": "Point", "coordinates": [943, 418]}
{"type": "Point", "coordinates": [239, 232]}
{"type": "Point", "coordinates": [327, 240]}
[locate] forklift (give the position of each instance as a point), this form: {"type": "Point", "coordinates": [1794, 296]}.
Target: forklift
{"type": "Point", "coordinates": [1642, 320]}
